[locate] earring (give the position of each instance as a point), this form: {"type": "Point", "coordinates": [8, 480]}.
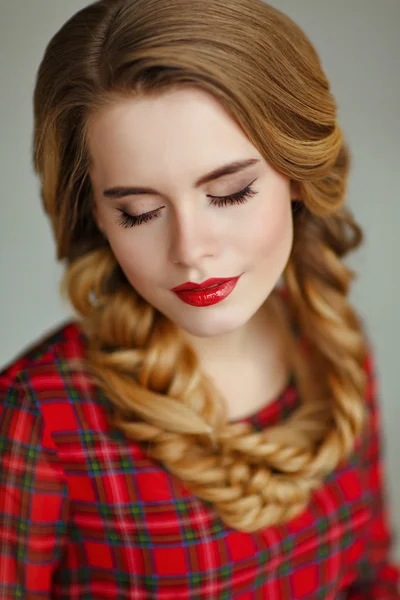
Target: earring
{"type": "Point", "coordinates": [94, 301]}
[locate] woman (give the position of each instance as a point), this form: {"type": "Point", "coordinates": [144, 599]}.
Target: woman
{"type": "Point", "coordinates": [208, 426]}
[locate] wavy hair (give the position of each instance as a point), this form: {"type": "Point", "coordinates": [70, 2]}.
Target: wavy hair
{"type": "Point", "coordinates": [262, 68]}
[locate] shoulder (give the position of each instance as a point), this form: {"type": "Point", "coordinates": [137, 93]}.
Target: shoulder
{"type": "Point", "coordinates": [44, 372]}
{"type": "Point", "coordinates": [48, 387]}
{"type": "Point", "coordinates": [64, 343]}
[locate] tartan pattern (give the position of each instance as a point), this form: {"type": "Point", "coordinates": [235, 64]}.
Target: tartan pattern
{"type": "Point", "coordinates": [85, 514]}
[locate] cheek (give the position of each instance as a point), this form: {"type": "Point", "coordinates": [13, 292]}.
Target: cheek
{"type": "Point", "coordinates": [137, 258]}
{"type": "Point", "coordinates": [126, 245]}
{"type": "Point", "coordinates": [270, 234]}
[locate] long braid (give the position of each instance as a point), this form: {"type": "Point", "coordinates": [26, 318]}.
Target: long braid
{"type": "Point", "coordinates": [276, 89]}
{"type": "Point", "coordinates": [253, 478]}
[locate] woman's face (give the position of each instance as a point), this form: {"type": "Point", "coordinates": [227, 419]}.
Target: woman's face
{"type": "Point", "coordinates": [183, 197]}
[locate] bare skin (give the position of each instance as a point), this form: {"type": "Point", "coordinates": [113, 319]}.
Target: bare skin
{"type": "Point", "coordinates": [166, 144]}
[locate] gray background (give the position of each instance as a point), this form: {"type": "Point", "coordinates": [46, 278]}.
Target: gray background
{"type": "Point", "coordinates": [359, 43]}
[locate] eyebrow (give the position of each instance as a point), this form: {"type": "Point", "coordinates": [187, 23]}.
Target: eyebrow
{"type": "Point", "coordinates": [229, 169]}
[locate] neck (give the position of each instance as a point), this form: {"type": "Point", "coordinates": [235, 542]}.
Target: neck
{"type": "Point", "coordinates": [239, 345]}
{"type": "Point", "coordinates": [251, 362]}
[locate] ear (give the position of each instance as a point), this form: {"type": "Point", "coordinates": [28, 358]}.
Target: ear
{"type": "Point", "coordinates": [295, 193]}
{"type": "Point", "coordinates": [100, 226]}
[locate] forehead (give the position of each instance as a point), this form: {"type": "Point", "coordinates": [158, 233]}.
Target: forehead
{"type": "Point", "coordinates": [181, 132]}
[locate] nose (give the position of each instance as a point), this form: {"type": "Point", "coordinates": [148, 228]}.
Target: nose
{"type": "Point", "coordinates": [193, 239]}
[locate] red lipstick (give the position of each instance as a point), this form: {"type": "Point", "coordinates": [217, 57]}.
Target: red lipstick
{"type": "Point", "coordinates": [207, 293]}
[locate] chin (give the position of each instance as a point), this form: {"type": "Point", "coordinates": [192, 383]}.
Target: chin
{"type": "Point", "coordinates": [205, 326]}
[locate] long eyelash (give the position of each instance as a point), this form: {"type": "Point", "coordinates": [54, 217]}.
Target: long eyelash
{"type": "Point", "coordinates": [127, 221]}
{"type": "Point", "coordinates": [239, 198]}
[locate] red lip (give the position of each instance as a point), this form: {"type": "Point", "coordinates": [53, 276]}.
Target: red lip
{"type": "Point", "coordinates": [204, 295]}
{"type": "Point", "coordinates": [199, 286]}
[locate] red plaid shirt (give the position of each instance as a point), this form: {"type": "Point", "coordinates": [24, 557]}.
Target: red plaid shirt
{"type": "Point", "coordinates": [86, 514]}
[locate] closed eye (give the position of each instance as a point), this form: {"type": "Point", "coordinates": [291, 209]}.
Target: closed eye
{"type": "Point", "coordinates": [126, 220]}
{"type": "Point", "coordinates": [238, 198]}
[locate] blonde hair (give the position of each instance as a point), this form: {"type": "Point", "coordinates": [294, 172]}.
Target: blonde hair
{"type": "Point", "coordinates": [264, 70]}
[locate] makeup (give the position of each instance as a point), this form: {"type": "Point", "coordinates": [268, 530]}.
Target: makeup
{"type": "Point", "coordinates": [207, 293]}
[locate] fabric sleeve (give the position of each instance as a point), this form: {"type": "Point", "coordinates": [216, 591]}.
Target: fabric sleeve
{"type": "Point", "coordinates": [378, 578]}
{"type": "Point", "coordinates": [33, 497]}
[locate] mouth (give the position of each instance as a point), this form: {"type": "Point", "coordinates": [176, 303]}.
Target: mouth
{"type": "Point", "coordinates": [206, 293]}
{"type": "Point", "coordinates": [205, 285]}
